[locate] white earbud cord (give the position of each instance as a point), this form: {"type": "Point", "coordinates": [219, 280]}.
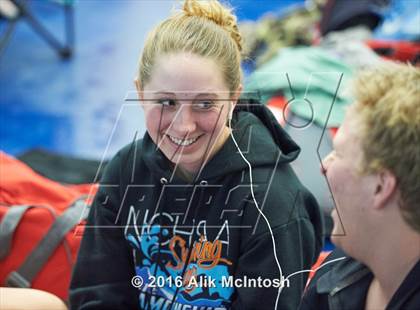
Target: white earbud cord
{"type": "Point", "coordinates": [259, 210]}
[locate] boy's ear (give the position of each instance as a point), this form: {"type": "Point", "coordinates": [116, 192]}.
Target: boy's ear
{"type": "Point", "coordinates": [386, 187]}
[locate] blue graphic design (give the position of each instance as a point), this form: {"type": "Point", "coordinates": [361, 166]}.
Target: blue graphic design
{"type": "Point", "coordinates": [155, 263]}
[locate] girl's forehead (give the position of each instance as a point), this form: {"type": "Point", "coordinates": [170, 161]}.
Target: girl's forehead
{"type": "Point", "coordinates": [179, 73]}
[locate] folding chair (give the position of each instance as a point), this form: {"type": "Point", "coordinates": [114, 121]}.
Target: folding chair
{"type": "Point", "coordinates": [13, 11]}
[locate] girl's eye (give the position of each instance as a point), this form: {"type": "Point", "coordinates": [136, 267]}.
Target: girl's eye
{"type": "Point", "coordinates": [203, 104]}
{"type": "Point", "coordinates": [167, 102]}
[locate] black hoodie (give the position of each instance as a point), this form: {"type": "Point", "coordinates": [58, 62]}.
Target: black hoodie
{"type": "Point", "coordinates": [200, 245]}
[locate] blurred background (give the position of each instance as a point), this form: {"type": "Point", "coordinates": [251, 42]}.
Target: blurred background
{"type": "Point", "coordinates": [68, 97]}
{"type": "Point", "coordinates": [67, 70]}
{"type": "Point", "coordinates": [70, 104]}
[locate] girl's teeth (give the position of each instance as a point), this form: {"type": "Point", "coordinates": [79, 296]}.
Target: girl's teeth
{"type": "Point", "coordinates": [181, 142]}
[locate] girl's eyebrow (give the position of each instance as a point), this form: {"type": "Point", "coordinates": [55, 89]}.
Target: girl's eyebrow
{"type": "Point", "coordinates": [197, 94]}
{"type": "Point", "coordinates": [164, 93]}
{"type": "Point", "coordinates": [206, 95]}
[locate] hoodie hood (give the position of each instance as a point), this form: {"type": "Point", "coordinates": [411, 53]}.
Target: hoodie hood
{"type": "Point", "coordinates": [254, 128]}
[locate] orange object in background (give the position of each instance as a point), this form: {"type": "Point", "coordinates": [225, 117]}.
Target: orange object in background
{"type": "Point", "coordinates": [278, 106]}
{"type": "Point", "coordinates": [20, 185]}
{"type": "Point", "coordinates": [318, 264]}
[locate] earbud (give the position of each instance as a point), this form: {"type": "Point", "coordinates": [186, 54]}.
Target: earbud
{"type": "Point", "coordinates": [232, 107]}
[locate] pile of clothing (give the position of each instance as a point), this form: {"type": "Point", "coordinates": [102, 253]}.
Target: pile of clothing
{"type": "Point", "coordinates": [301, 65]}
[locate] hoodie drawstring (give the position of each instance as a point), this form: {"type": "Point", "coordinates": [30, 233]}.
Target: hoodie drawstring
{"type": "Point", "coordinates": [203, 184]}
{"type": "Point", "coordinates": [163, 182]}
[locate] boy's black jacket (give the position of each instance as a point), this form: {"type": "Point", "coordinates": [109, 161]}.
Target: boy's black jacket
{"type": "Point", "coordinates": [344, 284]}
{"type": "Point", "coordinates": [147, 222]}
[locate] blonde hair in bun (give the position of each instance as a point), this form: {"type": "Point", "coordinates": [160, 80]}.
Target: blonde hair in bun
{"type": "Point", "coordinates": [205, 28]}
{"type": "Point", "coordinates": [216, 12]}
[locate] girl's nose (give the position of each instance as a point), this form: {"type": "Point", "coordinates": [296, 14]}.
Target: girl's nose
{"type": "Point", "coordinates": [184, 121]}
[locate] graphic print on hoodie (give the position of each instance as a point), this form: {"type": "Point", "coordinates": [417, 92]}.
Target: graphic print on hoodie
{"type": "Point", "coordinates": [172, 253]}
{"type": "Point", "coordinates": [209, 230]}
{"type": "Point", "coordinates": [182, 240]}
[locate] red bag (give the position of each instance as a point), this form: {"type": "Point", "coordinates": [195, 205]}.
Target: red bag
{"type": "Point", "coordinates": [38, 221]}
{"type": "Point", "coordinates": [397, 50]}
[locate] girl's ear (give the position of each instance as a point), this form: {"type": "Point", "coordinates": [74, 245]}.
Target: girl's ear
{"type": "Point", "coordinates": [236, 95]}
{"type": "Point", "coordinates": [138, 87]}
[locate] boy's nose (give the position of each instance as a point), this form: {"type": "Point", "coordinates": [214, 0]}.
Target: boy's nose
{"type": "Point", "coordinates": [325, 163]}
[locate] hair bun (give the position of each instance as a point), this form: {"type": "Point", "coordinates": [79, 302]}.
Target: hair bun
{"type": "Point", "coordinates": [216, 12]}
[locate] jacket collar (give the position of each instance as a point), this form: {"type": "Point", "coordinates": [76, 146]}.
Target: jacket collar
{"type": "Point", "coordinates": [349, 271]}
{"type": "Point", "coordinates": [409, 287]}
{"type": "Point", "coordinates": [342, 275]}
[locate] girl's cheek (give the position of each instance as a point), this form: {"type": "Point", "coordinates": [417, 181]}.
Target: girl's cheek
{"type": "Point", "coordinates": [161, 120]}
{"type": "Point", "coordinates": [211, 121]}
{"type": "Point", "coordinates": [152, 116]}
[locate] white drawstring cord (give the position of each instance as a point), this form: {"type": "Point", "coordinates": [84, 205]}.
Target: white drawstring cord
{"type": "Point", "coordinates": [259, 210]}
